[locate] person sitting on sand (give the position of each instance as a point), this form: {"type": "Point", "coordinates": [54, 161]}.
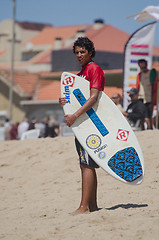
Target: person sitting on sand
{"type": "Point", "coordinates": [136, 110]}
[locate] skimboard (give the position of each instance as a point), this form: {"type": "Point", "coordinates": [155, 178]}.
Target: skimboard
{"type": "Point", "coordinates": [103, 131]}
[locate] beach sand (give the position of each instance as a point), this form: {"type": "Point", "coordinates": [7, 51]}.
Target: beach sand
{"type": "Point", "coordinates": [40, 185]}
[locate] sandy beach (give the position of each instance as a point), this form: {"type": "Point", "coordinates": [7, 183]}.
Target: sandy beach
{"type": "Point", "coordinates": [40, 186]}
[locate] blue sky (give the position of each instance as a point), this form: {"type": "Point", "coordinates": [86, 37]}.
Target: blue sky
{"type": "Point", "coordinates": [73, 12]}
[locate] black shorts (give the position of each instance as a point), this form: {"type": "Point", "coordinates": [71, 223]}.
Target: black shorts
{"type": "Point", "coordinates": [84, 158]}
{"type": "Point", "coordinates": [149, 109]}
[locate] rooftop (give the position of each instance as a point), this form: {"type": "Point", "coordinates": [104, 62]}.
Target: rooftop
{"type": "Point", "coordinates": [32, 25]}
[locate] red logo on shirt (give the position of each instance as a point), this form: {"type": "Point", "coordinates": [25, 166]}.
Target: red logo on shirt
{"type": "Point", "coordinates": [68, 80]}
{"type": "Point", "coordinates": [122, 135]}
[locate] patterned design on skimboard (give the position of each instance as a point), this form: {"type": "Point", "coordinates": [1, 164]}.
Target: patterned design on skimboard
{"type": "Point", "coordinates": [91, 113]}
{"type": "Point", "coordinates": [126, 164]}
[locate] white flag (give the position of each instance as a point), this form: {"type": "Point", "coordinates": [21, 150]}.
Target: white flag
{"type": "Point", "coordinates": [148, 13]}
{"type": "Point", "coordinates": [139, 45]}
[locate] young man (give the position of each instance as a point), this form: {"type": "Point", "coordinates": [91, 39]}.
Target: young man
{"type": "Point", "coordinates": [84, 51]}
{"type": "Point", "coordinates": [147, 81]}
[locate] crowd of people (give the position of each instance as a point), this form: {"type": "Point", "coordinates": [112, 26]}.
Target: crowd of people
{"type": "Point", "coordinates": [141, 113]}
{"type": "Point", "coordinates": [48, 127]}
{"type": "Point", "coordinates": [136, 111]}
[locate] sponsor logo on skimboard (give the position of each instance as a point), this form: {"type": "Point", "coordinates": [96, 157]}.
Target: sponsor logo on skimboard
{"type": "Point", "coordinates": [122, 135]}
{"type": "Point", "coordinates": [102, 155]}
{"type": "Point", "coordinates": [68, 80]}
{"type": "Point", "coordinates": [67, 94]}
{"type": "Point", "coordinates": [100, 148]}
{"type": "Point", "coordinates": [93, 141]}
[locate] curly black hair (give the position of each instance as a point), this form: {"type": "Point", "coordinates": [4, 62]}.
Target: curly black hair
{"type": "Point", "coordinates": [85, 42]}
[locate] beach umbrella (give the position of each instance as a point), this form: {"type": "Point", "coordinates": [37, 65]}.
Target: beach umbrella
{"type": "Point", "coordinates": [148, 13]}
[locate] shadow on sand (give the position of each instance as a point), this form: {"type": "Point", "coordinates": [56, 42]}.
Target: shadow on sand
{"type": "Point", "coordinates": [127, 206]}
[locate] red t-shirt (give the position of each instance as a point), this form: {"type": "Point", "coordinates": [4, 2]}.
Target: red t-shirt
{"type": "Point", "coordinates": [94, 74]}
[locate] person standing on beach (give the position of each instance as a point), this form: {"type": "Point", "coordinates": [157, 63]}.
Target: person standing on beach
{"type": "Point", "coordinates": [84, 51]}
{"type": "Point", "coordinates": [147, 81]}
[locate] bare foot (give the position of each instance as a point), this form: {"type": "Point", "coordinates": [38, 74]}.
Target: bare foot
{"type": "Point", "coordinates": [80, 210]}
